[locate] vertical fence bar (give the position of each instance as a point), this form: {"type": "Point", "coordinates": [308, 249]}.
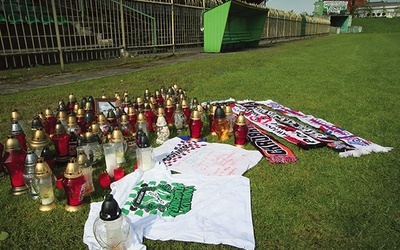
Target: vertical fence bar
{"type": "Point", "coordinates": [121, 10]}
{"type": "Point", "coordinates": [60, 52]}
{"type": "Point", "coordinates": [173, 26]}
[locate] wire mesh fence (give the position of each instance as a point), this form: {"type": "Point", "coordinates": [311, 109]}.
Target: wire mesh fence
{"type": "Point", "coordinates": [40, 32]}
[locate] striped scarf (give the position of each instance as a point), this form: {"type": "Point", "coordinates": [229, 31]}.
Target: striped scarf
{"type": "Point", "coordinates": [269, 124]}
{"type": "Point", "coordinates": [274, 151]}
{"type": "Point", "coordinates": [359, 146]}
{"type": "Point", "coordinates": [331, 142]}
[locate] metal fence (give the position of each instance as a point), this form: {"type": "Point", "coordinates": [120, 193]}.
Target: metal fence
{"type": "Point", "coordinates": [40, 32]}
{"type": "Point", "coordinates": [287, 25]}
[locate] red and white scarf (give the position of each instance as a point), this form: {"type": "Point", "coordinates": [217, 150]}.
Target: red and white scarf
{"type": "Point", "coordinates": [360, 145]}
{"type": "Point", "coordinates": [331, 142]}
{"type": "Point", "coordinates": [274, 151]}
{"type": "Point", "coordinates": [270, 125]}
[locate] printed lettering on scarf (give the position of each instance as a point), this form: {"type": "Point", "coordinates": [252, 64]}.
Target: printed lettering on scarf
{"type": "Point", "coordinates": [269, 124]}
{"type": "Point", "coordinates": [355, 146]}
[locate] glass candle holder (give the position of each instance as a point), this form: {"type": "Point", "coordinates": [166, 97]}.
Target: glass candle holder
{"type": "Point", "coordinates": [231, 118]}
{"type": "Point", "coordinates": [119, 144]}
{"type": "Point", "coordinates": [14, 160]}
{"type": "Point", "coordinates": [220, 124]}
{"type": "Point", "coordinates": [211, 119]}
{"type": "Point", "coordinates": [150, 116]}
{"type": "Point", "coordinates": [93, 143]}
{"type": "Point", "coordinates": [169, 112]}
{"type": "Point", "coordinates": [132, 117]}
{"type": "Point", "coordinates": [240, 131]}
{"type": "Point", "coordinates": [72, 125]}
{"type": "Point", "coordinates": [50, 122]}
{"type": "Point", "coordinates": [162, 130]}
{"type": "Point", "coordinates": [126, 127]}
{"type": "Point", "coordinates": [18, 133]}
{"type": "Point", "coordinates": [87, 171]}
{"type": "Point", "coordinates": [120, 148]}
{"type": "Point", "coordinates": [74, 185]}
{"type": "Point", "coordinates": [144, 153]}
{"type": "Point", "coordinates": [44, 185]}
{"type": "Point", "coordinates": [111, 229]}
{"type": "Point", "coordinates": [28, 175]}
{"type": "Point", "coordinates": [71, 102]}
{"type": "Point", "coordinates": [141, 124]}
{"type": "Point", "coordinates": [186, 111]}
{"type": "Point", "coordinates": [195, 126]}
{"type": "Point", "coordinates": [179, 118]}
{"type": "Point", "coordinates": [110, 158]}
{"type": "Point", "coordinates": [61, 143]}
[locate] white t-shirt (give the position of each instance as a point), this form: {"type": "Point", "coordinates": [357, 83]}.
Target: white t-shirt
{"type": "Point", "coordinates": [182, 207]}
{"type": "Point", "coordinates": [202, 158]}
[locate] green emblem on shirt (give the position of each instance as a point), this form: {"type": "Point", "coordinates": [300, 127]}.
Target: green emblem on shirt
{"type": "Point", "coordinates": [170, 199]}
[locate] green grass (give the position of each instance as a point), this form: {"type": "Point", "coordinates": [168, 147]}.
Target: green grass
{"type": "Point", "coordinates": [19, 76]}
{"type": "Point", "coordinates": [378, 25]}
{"type": "Point", "coordinates": [322, 201]}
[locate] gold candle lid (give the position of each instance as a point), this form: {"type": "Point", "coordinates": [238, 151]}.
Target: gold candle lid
{"type": "Point", "coordinates": [39, 139]}
{"type": "Point", "coordinates": [61, 115]}
{"type": "Point", "coordinates": [241, 120]}
{"type": "Point", "coordinates": [71, 120]}
{"type": "Point", "coordinates": [71, 98]}
{"type": "Point", "coordinates": [82, 159]}
{"type": "Point", "coordinates": [80, 112]}
{"type": "Point", "coordinates": [15, 115]}
{"type": "Point", "coordinates": [117, 135]}
{"type": "Point", "coordinates": [124, 119]}
{"type": "Point", "coordinates": [95, 128]}
{"type": "Point", "coordinates": [169, 103]}
{"type": "Point", "coordinates": [48, 113]}
{"type": "Point", "coordinates": [101, 119]}
{"type": "Point", "coordinates": [195, 115]}
{"type": "Point", "coordinates": [141, 118]}
{"type": "Point", "coordinates": [72, 170]}
{"type": "Point", "coordinates": [131, 110]}
{"type": "Point", "coordinates": [160, 111]}
{"type": "Point", "coordinates": [59, 129]}
{"type": "Point", "coordinates": [42, 169]}
{"type": "Point", "coordinates": [12, 144]}
{"type": "Point", "coordinates": [184, 104]}
{"type": "Point", "coordinates": [228, 110]}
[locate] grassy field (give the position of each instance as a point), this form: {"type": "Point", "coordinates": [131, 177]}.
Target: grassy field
{"type": "Point", "coordinates": [378, 25]}
{"type": "Point", "coordinates": [322, 201]}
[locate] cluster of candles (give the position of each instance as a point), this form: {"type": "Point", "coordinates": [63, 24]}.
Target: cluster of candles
{"type": "Point", "coordinates": [30, 169]}
{"type": "Point", "coordinates": [81, 137]}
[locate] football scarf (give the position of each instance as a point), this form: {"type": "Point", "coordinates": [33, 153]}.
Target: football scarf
{"type": "Point", "coordinates": [274, 151]}
{"type": "Point", "coordinates": [360, 145]}
{"type": "Point", "coordinates": [270, 125]}
{"type": "Point", "coordinates": [332, 143]}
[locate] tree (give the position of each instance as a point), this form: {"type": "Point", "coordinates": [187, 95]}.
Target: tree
{"type": "Point", "coordinates": [354, 4]}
